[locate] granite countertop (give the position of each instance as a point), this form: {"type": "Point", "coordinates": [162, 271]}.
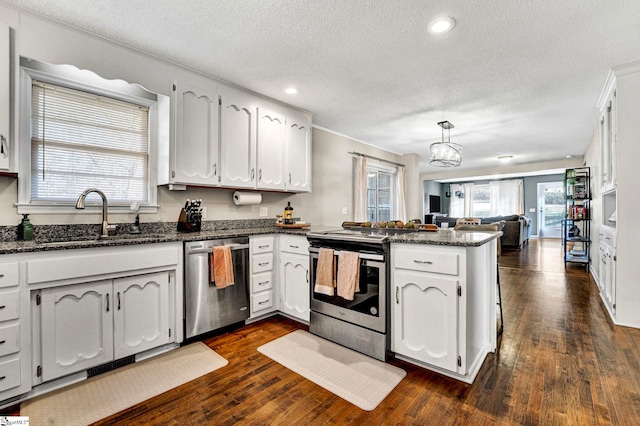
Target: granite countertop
{"type": "Point", "coordinates": [446, 238]}
{"type": "Point", "coordinates": [67, 243]}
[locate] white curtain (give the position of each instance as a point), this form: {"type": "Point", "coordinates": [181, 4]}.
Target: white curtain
{"type": "Point", "coordinates": [461, 203]}
{"type": "Point", "coordinates": [360, 189]}
{"type": "Point", "coordinates": [507, 197]}
{"type": "Point", "coordinates": [401, 205]}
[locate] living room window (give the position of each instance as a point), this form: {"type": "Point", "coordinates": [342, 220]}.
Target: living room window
{"type": "Point", "coordinates": [80, 131]}
{"type": "Point", "coordinates": [481, 206]}
{"type": "Point", "coordinates": [495, 198]}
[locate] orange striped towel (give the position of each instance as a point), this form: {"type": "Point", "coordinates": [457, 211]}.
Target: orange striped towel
{"type": "Point", "coordinates": [222, 267]}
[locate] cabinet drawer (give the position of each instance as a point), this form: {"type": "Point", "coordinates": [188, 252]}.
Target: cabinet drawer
{"type": "Point", "coordinates": [261, 301]}
{"type": "Point", "coordinates": [261, 282]}
{"type": "Point", "coordinates": [261, 262]}
{"type": "Point", "coordinates": [294, 244]}
{"type": "Point", "coordinates": [9, 307]}
{"type": "Point", "coordinates": [8, 274]}
{"type": "Point", "coordinates": [427, 261]}
{"type": "Point", "coordinates": [262, 244]}
{"type": "Point", "coordinates": [9, 374]}
{"type": "Point", "coordinates": [9, 339]}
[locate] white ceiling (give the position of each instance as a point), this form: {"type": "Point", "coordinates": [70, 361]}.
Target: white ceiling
{"type": "Point", "coordinates": [514, 77]}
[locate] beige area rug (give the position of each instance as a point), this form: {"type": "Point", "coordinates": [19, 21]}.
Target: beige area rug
{"type": "Point", "coordinates": [357, 378]}
{"type": "Point", "coordinates": [102, 396]}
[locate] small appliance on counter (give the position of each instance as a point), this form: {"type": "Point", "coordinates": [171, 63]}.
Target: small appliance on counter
{"type": "Point", "coordinates": [190, 219]}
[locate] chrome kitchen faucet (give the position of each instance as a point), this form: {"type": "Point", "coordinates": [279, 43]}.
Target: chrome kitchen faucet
{"type": "Point", "coordinates": [105, 225]}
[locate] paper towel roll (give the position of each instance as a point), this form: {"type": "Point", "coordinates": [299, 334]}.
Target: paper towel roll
{"type": "Point", "coordinates": [246, 198]}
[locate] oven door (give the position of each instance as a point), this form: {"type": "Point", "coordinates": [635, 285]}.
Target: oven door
{"type": "Point", "coordinates": [367, 309]}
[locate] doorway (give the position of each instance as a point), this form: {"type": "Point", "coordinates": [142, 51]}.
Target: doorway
{"type": "Point", "coordinates": [551, 205]}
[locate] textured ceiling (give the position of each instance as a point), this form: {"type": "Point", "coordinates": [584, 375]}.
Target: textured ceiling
{"type": "Point", "coordinates": [514, 77]}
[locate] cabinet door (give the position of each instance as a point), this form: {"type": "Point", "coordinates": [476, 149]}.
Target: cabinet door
{"type": "Point", "coordinates": [425, 318]}
{"type": "Point", "coordinates": [298, 154]}
{"type": "Point", "coordinates": [610, 282]}
{"type": "Point", "coordinates": [196, 140]}
{"type": "Point", "coordinates": [141, 313]}
{"type": "Point", "coordinates": [77, 328]}
{"type": "Point", "coordinates": [271, 143]}
{"type": "Point", "coordinates": [238, 141]}
{"type": "Point", "coordinates": [294, 285]}
{"type": "Point", "coordinates": [5, 64]}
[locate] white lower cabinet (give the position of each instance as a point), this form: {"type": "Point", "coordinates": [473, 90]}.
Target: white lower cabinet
{"type": "Point", "coordinates": [425, 318]}
{"type": "Point", "coordinates": [77, 328]}
{"type": "Point", "coordinates": [263, 288]}
{"type": "Point", "coordinates": [85, 325]}
{"type": "Point", "coordinates": [293, 275]}
{"type": "Point", "coordinates": [443, 306]}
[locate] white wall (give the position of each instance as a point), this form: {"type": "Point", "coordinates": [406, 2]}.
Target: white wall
{"type": "Point", "coordinates": [332, 186]}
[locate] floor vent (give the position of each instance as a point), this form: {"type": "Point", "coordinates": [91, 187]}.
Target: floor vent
{"type": "Point", "coordinates": [111, 366]}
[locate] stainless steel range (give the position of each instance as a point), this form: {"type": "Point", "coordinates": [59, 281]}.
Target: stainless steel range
{"type": "Point", "coordinates": [361, 324]}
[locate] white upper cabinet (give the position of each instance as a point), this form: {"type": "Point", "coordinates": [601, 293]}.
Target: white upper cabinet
{"type": "Point", "coordinates": [608, 135]}
{"type": "Point", "coordinates": [196, 149]}
{"type": "Point", "coordinates": [238, 140]}
{"type": "Point", "coordinates": [271, 145]}
{"type": "Point", "coordinates": [298, 153]}
{"type": "Point", "coordinates": [5, 64]}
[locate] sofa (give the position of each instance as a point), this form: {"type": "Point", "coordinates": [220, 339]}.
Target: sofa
{"type": "Point", "coordinates": [516, 231]}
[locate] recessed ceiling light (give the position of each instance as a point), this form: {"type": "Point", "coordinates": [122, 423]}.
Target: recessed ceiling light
{"type": "Point", "coordinates": [441, 25]}
{"type": "Point", "coordinates": [505, 158]}
{"type": "Point", "coordinates": [290, 90]}
{"type": "Point", "coordinates": [569, 156]}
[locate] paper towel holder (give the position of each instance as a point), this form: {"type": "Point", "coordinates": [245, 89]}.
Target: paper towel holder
{"type": "Point", "coordinates": [247, 198]}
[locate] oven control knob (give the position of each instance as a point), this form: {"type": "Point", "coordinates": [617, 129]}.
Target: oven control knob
{"type": "Point", "coordinates": [373, 310]}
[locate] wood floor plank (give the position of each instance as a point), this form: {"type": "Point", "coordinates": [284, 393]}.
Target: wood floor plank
{"type": "Point", "coordinates": [560, 361]}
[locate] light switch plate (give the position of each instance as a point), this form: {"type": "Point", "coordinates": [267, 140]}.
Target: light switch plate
{"type": "Point", "coordinates": [264, 211]}
{"type": "Point", "coordinates": [344, 210]}
{"type": "Point", "coordinates": [532, 210]}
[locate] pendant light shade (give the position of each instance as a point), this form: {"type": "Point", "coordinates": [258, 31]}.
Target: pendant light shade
{"type": "Point", "coordinates": [445, 154]}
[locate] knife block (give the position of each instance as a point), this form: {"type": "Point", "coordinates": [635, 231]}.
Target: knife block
{"type": "Point", "coordinates": [189, 223]}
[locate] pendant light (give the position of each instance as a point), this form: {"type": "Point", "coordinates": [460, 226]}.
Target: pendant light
{"type": "Point", "coordinates": [445, 154]}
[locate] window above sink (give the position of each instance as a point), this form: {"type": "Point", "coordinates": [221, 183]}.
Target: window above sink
{"type": "Point", "coordinates": [79, 130]}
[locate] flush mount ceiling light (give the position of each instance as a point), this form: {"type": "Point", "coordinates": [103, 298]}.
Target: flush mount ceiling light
{"type": "Point", "coordinates": [505, 158]}
{"type": "Point", "coordinates": [441, 25]}
{"type": "Point", "coordinates": [290, 90]}
{"type": "Point", "coordinates": [445, 154]}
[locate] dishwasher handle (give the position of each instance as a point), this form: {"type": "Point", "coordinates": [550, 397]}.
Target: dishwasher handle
{"type": "Point", "coordinates": [234, 247]}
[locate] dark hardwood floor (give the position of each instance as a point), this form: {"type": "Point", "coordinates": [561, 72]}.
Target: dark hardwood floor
{"type": "Point", "coordinates": [560, 361]}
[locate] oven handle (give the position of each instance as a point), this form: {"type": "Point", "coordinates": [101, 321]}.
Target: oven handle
{"type": "Point", "coordinates": [367, 256]}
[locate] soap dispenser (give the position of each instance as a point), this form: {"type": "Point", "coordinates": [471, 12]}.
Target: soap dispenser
{"type": "Point", "coordinates": [27, 228]}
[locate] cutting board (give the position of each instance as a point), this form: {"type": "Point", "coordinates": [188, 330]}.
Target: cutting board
{"type": "Point", "coordinates": [293, 226]}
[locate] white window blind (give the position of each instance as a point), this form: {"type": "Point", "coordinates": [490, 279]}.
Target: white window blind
{"type": "Point", "coordinates": [81, 140]}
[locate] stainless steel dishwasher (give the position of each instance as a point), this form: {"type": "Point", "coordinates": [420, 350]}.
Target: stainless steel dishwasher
{"type": "Point", "coordinates": [207, 307]}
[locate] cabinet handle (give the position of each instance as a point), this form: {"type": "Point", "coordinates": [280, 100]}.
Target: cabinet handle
{"type": "Point", "coordinates": [263, 263]}
{"type": "Point", "coordinates": [263, 302]}
{"type": "Point", "coordinates": [292, 246]}
{"type": "Point", "coordinates": [259, 175]}
{"type": "Point", "coordinates": [107, 302]}
{"type": "Point", "coordinates": [2, 342]}
{"type": "Point", "coordinates": [289, 177]}
{"type": "Point", "coordinates": [253, 173]}
{"type": "Point", "coordinates": [397, 299]}
{"type": "Point", "coordinates": [3, 377]}
{"type": "Point", "coordinates": [3, 140]}
{"type": "Point", "coordinates": [118, 300]}
{"type": "Point", "coordinates": [263, 283]}
{"type": "Point", "coordinates": [1, 275]}
{"type": "Point", "coordinates": [265, 246]}
{"type": "Point", "coordinates": [427, 262]}
{"type": "Point", "coordinates": [307, 276]}
{"type": "Point", "coordinates": [215, 169]}
{"type": "Point", "coordinates": [3, 306]}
